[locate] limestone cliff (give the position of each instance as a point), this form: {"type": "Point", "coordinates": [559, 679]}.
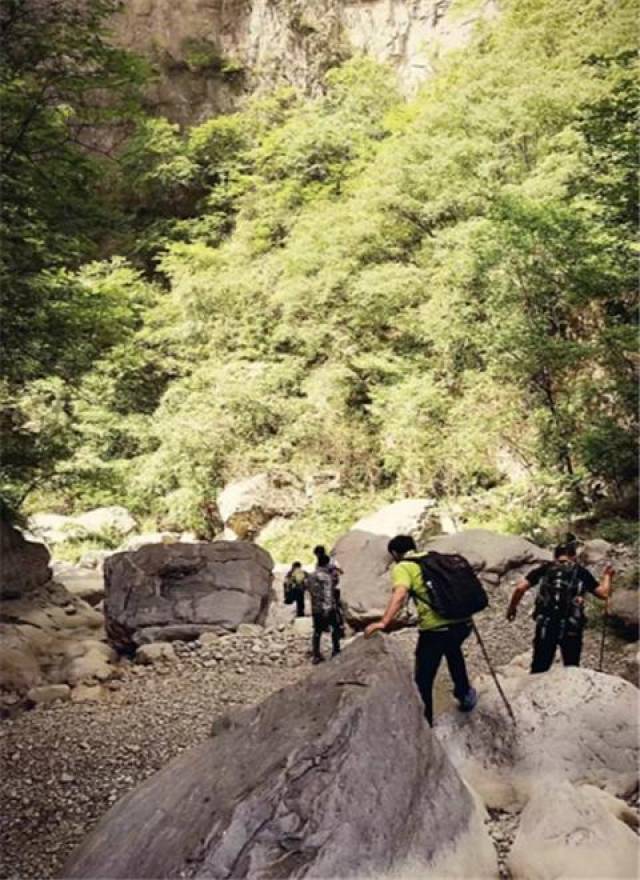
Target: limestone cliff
{"type": "Point", "coordinates": [210, 53]}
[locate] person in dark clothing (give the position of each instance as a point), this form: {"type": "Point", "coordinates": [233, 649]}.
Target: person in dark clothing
{"type": "Point", "coordinates": [323, 607]}
{"type": "Point", "coordinates": [559, 608]}
{"type": "Point", "coordinates": [437, 638]}
{"type": "Point", "coordinates": [295, 584]}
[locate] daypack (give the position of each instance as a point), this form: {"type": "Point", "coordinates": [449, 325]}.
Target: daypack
{"type": "Point", "coordinates": [322, 592]}
{"type": "Point", "coordinates": [557, 593]}
{"type": "Point", "coordinates": [453, 588]}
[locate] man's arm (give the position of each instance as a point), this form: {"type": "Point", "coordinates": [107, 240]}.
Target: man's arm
{"type": "Point", "coordinates": [604, 588]}
{"type": "Point", "coordinates": [516, 598]}
{"type": "Point", "coordinates": [397, 600]}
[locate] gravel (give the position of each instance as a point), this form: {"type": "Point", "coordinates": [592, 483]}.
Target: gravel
{"type": "Point", "coordinates": [64, 764]}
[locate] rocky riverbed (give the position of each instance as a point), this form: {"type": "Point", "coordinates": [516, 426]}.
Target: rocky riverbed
{"type": "Point", "coordinates": [64, 764]}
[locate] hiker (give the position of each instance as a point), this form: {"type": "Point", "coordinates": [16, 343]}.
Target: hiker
{"type": "Point", "coordinates": [295, 584]}
{"type": "Point", "coordinates": [324, 606]}
{"type": "Point", "coordinates": [336, 572]}
{"type": "Point", "coordinates": [438, 637]}
{"type": "Point", "coordinates": [559, 607]}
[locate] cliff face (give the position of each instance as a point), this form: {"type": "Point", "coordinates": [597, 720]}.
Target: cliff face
{"type": "Point", "coordinates": [210, 53]}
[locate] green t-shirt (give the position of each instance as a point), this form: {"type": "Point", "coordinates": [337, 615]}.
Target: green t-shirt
{"type": "Point", "coordinates": [408, 574]}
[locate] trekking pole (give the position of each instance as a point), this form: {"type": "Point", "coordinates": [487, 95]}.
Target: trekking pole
{"type": "Point", "coordinates": [493, 674]}
{"type": "Point", "coordinates": [605, 617]}
{"type": "Point", "coordinates": [605, 621]}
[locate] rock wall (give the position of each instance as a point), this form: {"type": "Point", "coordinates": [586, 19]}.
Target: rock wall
{"type": "Point", "coordinates": [210, 53]}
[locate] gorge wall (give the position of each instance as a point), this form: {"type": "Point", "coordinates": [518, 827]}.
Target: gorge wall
{"type": "Point", "coordinates": [211, 53]}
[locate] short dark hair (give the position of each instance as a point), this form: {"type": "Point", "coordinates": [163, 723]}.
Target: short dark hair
{"type": "Point", "coordinates": [319, 550]}
{"type": "Point", "coordinates": [401, 544]}
{"type": "Point", "coordinates": [297, 565]}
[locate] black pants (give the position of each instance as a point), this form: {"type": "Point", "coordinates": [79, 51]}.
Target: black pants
{"type": "Point", "coordinates": [299, 597]}
{"type": "Point", "coordinates": [551, 635]}
{"type": "Point", "coordinates": [321, 623]}
{"type": "Point", "coordinates": [432, 646]}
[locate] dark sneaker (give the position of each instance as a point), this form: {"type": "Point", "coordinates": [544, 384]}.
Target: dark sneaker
{"type": "Point", "coordinates": [469, 700]}
{"type": "Point", "coordinates": [317, 660]}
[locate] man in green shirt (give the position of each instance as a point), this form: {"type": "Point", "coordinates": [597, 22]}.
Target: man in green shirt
{"type": "Point", "coordinates": [437, 638]}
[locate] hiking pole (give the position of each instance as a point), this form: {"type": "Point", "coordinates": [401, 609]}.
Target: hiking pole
{"type": "Point", "coordinates": [605, 617]}
{"type": "Point", "coordinates": [493, 674]}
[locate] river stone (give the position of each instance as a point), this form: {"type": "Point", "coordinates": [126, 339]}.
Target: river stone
{"type": "Point", "coordinates": [177, 591]}
{"type": "Point", "coordinates": [358, 786]}
{"type": "Point", "coordinates": [572, 832]}
{"type": "Point", "coordinates": [25, 564]}
{"type": "Point", "coordinates": [157, 652]}
{"type": "Point", "coordinates": [49, 693]}
{"type": "Point", "coordinates": [572, 723]}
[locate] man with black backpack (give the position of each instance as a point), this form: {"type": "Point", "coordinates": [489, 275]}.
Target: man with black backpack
{"type": "Point", "coordinates": [439, 584]}
{"type": "Point", "coordinates": [559, 608]}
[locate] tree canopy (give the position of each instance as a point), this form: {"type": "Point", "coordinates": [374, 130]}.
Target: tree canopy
{"type": "Point", "coordinates": [433, 296]}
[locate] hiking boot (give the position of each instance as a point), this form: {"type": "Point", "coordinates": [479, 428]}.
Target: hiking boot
{"type": "Point", "coordinates": [469, 700]}
{"type": "Point", "coordinates": [317, 660]}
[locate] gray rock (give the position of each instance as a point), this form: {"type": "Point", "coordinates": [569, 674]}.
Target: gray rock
{"type": "Point", "coordinates": [159, 652]}
{"type": "Point", "coordinates": [181, 590]}
{"type": "Point", "coordinates": [572, 723]}
{"type": "Point", "coordinates": [49, 693]}
{"type": "Point", "coordinates": [363, 556]}
{"type": "Point", "coordinates": [106, 519]}
{"type": "Point", "coordinates": [595, 551]}
{"type": "Point", "coordinates": [25, 564]}
{"type": "Point", "coordinates": [357, 786]}
{"type": "Point", "coordinates": [490, 552]}
{"type": "Point", "coordinates": [246, 506]}
{"type": "Point", "coordinates": [250, 629]}
{"type": "Point", "coordinates": [623, 612]}
{"type": "Point", "coordinates": [572, 832]}
{"type": "Point", "coordinates": [85, 583]}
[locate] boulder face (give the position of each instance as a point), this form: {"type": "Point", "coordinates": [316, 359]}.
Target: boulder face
{"type": "Point", "coordinates": [362, 554]}
{"type": "Point", "coordinates": [246, 506]}
{"type": "Point", "coordinates": [574, 832]}
{"type": "Point", "coordinates": [624, 608]}
{"type": "Point", "coordinates": [25, 564]}
{"type": "Point", "coordinates": [177, 591]}
{"type": "Point", "coordinates": [357, 786]}
{"type": "Point", "coordinates": [573, 724]}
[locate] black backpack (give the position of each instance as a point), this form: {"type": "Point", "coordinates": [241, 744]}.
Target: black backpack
{"type": "Point", "coordinates": [454, 590]}
{"type": "Point", "coordinates": [557, 592]}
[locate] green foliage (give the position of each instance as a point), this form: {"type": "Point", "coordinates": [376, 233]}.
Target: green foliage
{"type": "Point", "coordinates": [409, 294]}
{"type": "Point", "coordinates": [329, 517]}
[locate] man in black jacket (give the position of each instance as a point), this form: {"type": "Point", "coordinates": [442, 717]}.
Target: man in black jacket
{"type": "Point", "coordinates": [559, 609]}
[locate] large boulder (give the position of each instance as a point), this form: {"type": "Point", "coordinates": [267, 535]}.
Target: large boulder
{"type": "Point", "coordinates": [362, 554]}
{"type": "Point", "coordinates": [163, 592]}
{"type": "Point", "coordinates": [54, 528]}
{"type": "Point", "coordinates": [246, 506]}
{"type": "Point", "coordinates": [25, 564]}
{"type": "Point", "coordinates": [357, 786]}
{"type": "Point", "coordinates": [116, 520]}
{"type": "Point", "coordinates": [571, 724]}
{"type": "Point", "coordinates": [624, 608]}
{"type": "Point", "coordinates": [574, 832]}
{"type": "Point", "coordinates": [490, 552]}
